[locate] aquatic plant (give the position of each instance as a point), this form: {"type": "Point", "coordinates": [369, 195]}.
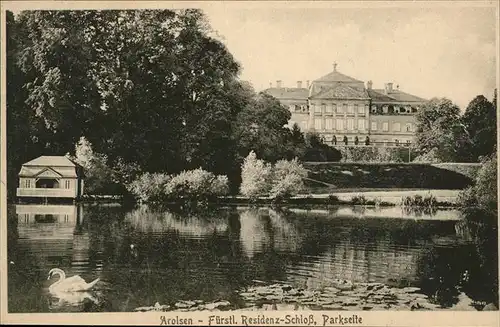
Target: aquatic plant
{"type": "Point", "coordinates": [359, 199]}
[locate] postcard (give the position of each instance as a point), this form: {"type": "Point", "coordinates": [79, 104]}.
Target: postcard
{"type": "Point", "coordinates": [230, 163]}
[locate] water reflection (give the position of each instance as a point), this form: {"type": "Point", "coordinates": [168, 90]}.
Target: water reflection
{"type": "Point", "coordinates": [144, 256]}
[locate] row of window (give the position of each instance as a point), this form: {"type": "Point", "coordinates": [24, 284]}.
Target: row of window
{"type": "Point", "coordinates": [354, 108]}
{"type": "Point", "coordinates": [353, 124]}
{"type": "Point", "coordinates": [28, 184]}
{"type": "Point", "coordinates": [350, 108]}
{"type": "Point", "coordinates": [392, 109]}
{"type": "Point", "coordinates": [346, 140]}
{"type": "Point", "coordinates": [340, 124]}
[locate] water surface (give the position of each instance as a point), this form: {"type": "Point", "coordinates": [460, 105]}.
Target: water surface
{"type": "Point", "coordinates": [212, 255]}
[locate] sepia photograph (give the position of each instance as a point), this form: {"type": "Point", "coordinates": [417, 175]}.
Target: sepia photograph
{"type": "Point", "coordinates": [221, 158]}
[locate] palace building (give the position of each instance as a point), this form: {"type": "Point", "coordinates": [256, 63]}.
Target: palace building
{"type": "Point", "coordinates": [344, 111]}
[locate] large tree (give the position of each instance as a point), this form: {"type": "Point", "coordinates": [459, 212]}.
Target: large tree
{"type": "Point", "coordinates": [480, 120]}
{"type": "Point", "coordinates": [440, 131]}
{"type": "Point", "coordinates": [261, 127]}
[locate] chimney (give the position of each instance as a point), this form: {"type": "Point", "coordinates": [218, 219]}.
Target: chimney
{"type": "Point", "coordinates": [270, 85]}
{"type": "Point", "coordinates": [299, 84]}
{"type": "Point", "coordinates": [334, 66]}
{"type": "Point", "coordinates": [388, 88]}
{"type": "Point", "coordinates": [278, 84]}
{"type": "Point", "coordinates": [369, 85]}
{"type": "Point", "coordinates": [307, 83]}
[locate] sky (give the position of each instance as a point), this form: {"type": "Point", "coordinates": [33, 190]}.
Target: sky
{"type": "Point", "coordinates": [427, 51]}
{"type": "Point", "coordinates": [430, 49]}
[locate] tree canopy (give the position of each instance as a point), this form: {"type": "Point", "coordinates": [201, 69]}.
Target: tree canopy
{"type": "Point", "coordinates": [149, 89]}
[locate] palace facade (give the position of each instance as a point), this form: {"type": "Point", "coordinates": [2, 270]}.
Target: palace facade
{"type": "Point", "coordinates": [346, 112]}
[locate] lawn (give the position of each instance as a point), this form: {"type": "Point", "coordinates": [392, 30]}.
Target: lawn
{"type": "Point", "coordinates": [353, 177]}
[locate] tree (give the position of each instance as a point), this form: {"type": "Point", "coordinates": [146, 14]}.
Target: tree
{"type": "Point", "coordinates": [261, 127]}
{"type": "Point", "coordinates": [440, 131]}
{"type": "Point", "coordinates": [480, 121]}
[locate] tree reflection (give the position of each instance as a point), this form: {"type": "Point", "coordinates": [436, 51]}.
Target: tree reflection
{"type": "Point", "coordinates": [471, 268]}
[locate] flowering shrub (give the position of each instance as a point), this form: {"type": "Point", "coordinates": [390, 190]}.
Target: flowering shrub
{"type": "Point", "coordinates": [287, 179]}
{"type": "Point", "coordinates": [149, 187]}
{"type": "Point", "coordinates": [255, 176]}
{"type": "Point", "coordinates": [197, 184]}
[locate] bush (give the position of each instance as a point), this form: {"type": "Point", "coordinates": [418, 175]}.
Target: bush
{"type": "Point", "coordinates": [358, 200]}
{"type": "Point", "coordinates": [149, 187]}
{"type": "Point", "coordinates": [287, 179]}
{"type": "Point", "coordinates": [484, 191]}
{"type": "Point", "coordinates": [255, 176]}
{"type": "Point", "coordinates": [430, 157]}
{"type": "Point", "coordinates": [419, 201]}
{"type": "Point", "coordinates": [467, 197]}
{"type": "Point", "coordinates": [196, 185]}
{"type": "Point", "coordinates": [486, 183]}
{"type": "Point", "coordinates": [376, 154]}
{"type": "Point", "coordinates": [99, 176]}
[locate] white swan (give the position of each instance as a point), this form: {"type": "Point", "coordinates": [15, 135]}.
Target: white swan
{"type": "Point", "coordinates": [71, 284]}
{"type": "Point", "coordinates": [71, 298]}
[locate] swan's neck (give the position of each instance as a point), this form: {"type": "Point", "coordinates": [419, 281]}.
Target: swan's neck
{"type": "Point", "coordinates": [61, 274]}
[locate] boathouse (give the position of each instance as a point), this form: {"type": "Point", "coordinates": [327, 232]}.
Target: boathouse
{"type": "Point", "coordinates": [55, 177]}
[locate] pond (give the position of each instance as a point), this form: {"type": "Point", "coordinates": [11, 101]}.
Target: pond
{"type": "Point", "coordinates": [144, 256]}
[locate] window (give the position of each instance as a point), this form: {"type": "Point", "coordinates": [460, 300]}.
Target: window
{"type": "Point", "coordinates": [334, 107]}
{"type": "Point", "coordinates": [317, 108]}
{"type": "Point", "coordinates": [350, 124]}
{"type": "Point", "coordinates": [329, 123]}
{"type": "Point", "coordinates": [67, 184]}
{"type": "Point", "coordinates": [28, 183]}
{"type": "Point", "coordinates": [374, 109]}
{"type": "Point", "coordinates": [317, 123]}
{"type": "Point", "coordinates": [396, 127]}
{"type": "Point", "coordinates": [323, 108]}
{"type": "Point", "coordinates": [340, 124]}
{"type": "Point", "coordinates": [350, 108]}
{"type": "Point", "coordinates": [367, 108]}
{"type": "Point", "coordinates": [374, 125]}
{"type": "Point", "coordinates": [344, 107]}
{"type": "Point", "coordinates": [329, 109]}
{"type": "Point", "coordinates": [361, 110]}
{"type": "Point", "coordinates": [385, 126]}
{"type": "Point", "coordinates": [361, 124]}
{"type": "Point", "coordinates": [408, 127]}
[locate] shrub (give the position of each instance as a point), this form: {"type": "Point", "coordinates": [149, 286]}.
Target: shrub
{"type": "Point", "coordinates": [196, 185]}
{"type": "Point", "coordinates": [419, 201]}
{"type": "Point", "coordinates": [149, 187]}
{"type": "Point", "coordinates": [358, 200]}
{"type": "Point", "coordinates": [99, 177]}
{"type": "Point", "coordinates": [376, 154]}
{"type": "Point", "coordinates": [255, 176]}
{"type": "Point", "coordinates": [287, 179]}
{"type": "Point", "coordinates": [333, 199]}
{"type": "Point", "coordinates": [484, 191]}
{"type": "Point", "coordinates": [486, 183]}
